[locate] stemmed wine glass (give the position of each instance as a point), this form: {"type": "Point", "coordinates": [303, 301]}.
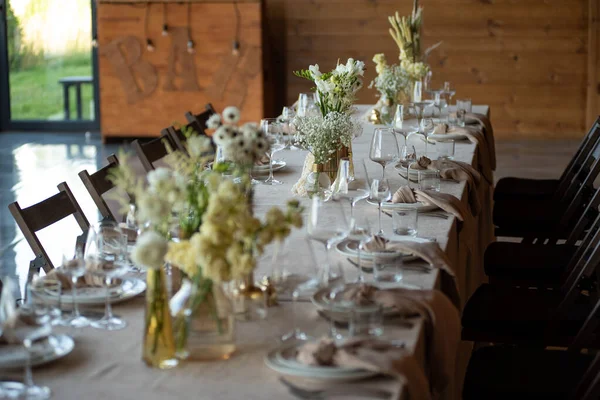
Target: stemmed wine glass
{"type": "Point", "coordinates": [328, 225]}
{"type": "Point", "coordinates": [273, 130]}
{"type": "Point", "coordinates": [353, 191]}
{"type": "Point", "coordinates": [384, 148]}
{"type": "Point", "coordinates": [307, 105]}
{"type": "Point", "coordinates": [73, 267]}
{"type": "Point", "coordinates": [408, 155]}
{"type": "Point", "coordinates": [427, 128]}
{"type": "Point", "coordinates": [106, 257]}
{"type": "Point", "coordinates": [286, 118]}
{"type": "Point", "coordinates": [380, 192]}
{"type": "Point", "coordinates": [361, 234]}
{"type": "Point", "coordinates": [448, 91]}
{"type": "Point", "coordinates": [33, 323]}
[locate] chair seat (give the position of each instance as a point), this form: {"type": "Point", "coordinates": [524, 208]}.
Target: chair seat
{"type": "Point", "coordinates": [526, 216]}
{"type": "Point", "coordinates": [518, 315]}
{"type": "Point", "coordinates": [502, 372]}
{"type": "Point", "coordinates": [521, 262]}
{"type": "Point", "coordinates": [522, 188]}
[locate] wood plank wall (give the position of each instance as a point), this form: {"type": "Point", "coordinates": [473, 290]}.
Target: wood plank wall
{"type": "Point", "coordinates": [527, 59]}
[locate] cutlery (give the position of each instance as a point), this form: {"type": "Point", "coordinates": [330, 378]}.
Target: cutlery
{"type": "Point", "coordinates": [324, 393]}
{"type": "Point", "coordinates": [428, 214]}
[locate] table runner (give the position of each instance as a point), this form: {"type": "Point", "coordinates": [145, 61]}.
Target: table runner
{"type": "Point", "coordinates": [107, 365]}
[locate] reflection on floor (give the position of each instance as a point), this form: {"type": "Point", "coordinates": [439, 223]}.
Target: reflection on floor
{"type": "Point", "coordinates": [32, 164]}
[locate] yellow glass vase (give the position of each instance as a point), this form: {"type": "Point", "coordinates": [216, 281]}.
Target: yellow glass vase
{"type": "Point", "coordinates": [159, 345]}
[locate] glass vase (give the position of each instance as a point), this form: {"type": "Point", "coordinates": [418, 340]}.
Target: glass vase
{"type": "Point", "coordinates": [204, 326]}
{"type": "Point", "coordinates": [159, 345]}
{"type": "Point", "coordinates": [387, 111]}
{"type": "Point", "coordinates": [318, 183]}
{"type": "Point", "coordinates": [249, 300]}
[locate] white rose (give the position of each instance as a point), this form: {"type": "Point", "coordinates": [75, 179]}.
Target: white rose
{"type": "Point", "coordinates": [150, 250]}
{"type": "Point", "coordinates": [231, 115]}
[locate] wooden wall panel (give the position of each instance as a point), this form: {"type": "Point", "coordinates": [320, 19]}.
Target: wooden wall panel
{"type": "Point", "coordinates": [528, 59]}
{"type": "Point", "coordinates": [213, 27]}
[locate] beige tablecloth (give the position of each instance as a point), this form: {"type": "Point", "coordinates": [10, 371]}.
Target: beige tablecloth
{"type": "Point", "coordinates": [107, 365]}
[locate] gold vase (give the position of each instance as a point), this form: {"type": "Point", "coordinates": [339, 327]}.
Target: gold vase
{"type": "Point", "coordinates": [159, 345]}
{"type": "Point", "coordinates": [331, 166]}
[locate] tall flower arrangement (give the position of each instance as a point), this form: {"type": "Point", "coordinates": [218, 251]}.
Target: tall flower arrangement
{"type": "Point", "coordinates": [392, 82]}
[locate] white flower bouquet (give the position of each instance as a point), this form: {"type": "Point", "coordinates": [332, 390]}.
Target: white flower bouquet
{"type": "Point", "coordinates": [324, 136]}
{"type": "Point", "coordinates": [336, 89]}
{"type": "Point", "coordinates": [392, 81]}
{"type": "Point", "coordinates": [243, 145]}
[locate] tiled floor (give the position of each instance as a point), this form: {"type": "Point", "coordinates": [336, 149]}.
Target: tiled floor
{"type": "Point", "coordinates": [32, 164]}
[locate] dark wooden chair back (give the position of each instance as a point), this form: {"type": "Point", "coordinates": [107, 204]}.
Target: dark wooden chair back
{"type": "Point", "coordinates": [45, 213]}
{"type": "Point", "coordinates": [589, 386]}
{"type": "Point", "coordinates": [98, 183]}
{"type": "Point", "coordinates": [199, 120]}
{"type": "Point", "coordinates": [152, 151]}
{"type": "Point", "coordinates": [177, 137]}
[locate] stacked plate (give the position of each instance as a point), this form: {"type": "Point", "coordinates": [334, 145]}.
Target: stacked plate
{"type": "Point", "coordinates": [349, 248]}
{"type": "Point", "coordinates": [283, 360]}
{"type": "Point", "coordinates": [94, 295]}
{"type": "Point", "coordinates": [264, 169]}
{"type": "Point", "coordinates": [44, 351]}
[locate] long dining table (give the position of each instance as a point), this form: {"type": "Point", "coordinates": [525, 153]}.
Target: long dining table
{"type": "Point", "coordinates": [108, 365]}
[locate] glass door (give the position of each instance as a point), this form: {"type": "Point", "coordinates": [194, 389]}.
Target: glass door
{"type": "Point", "coordinates": [47, 65]}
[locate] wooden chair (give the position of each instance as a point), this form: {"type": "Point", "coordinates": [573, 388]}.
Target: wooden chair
{"type": "Point", "coordinates": [503, 372]}
{"type": "Point", "coordinates": [524, 264]}
{"type": "Point", "coordinates": [98, 183]}
{"type": "Point", "coordinates": [199, 120]}
{"type": "Point", "coordinates": [535, 219]}
{"type": "Point", "coordinates": [543, 189]}
{"type": "Point", "coordinates": [45, 213]}
{"type": "Point", "coordinates": [152, 151]}
{"type": "Point", "coordinates": [500, 314]}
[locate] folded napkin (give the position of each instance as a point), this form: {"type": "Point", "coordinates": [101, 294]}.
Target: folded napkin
{"type": "Point", "coordinates": [445, 201]}
{"type": "Point", "coordinates": [475, 135]}
{"type": "Point", "coordinates": [298, 188]}
{"type": "Point", "coordinates": [87, 280]}
{"type": "Point", "coordinates": [457, 171]}
{"type": "Point", "coordinates": [489, 134]}
{"type": "Point", "coordinates": [431, 253]}
{"type": "Point", "coordinates": [372, 355]}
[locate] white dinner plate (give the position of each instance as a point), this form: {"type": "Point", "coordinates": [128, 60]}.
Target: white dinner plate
{"type": "Point", "coordinates": [45, 351]}
{"type": "Point", "coordinates": [264, 169]}
{"type": "Point", "coordinates": [349, 248]}
{"type": "Point", "coordinates": [328, 374]}
{"type": "Point", "coordinates": [420, 207]}
{"type": "Point", "coordinates": [286, 355]}
{"type": "Point", "coordinates": [129, 288]}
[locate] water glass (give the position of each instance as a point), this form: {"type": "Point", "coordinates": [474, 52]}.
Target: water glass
{"type": "Point", "coordinates": [399, 116]}
{"type": "Point", "coordinates": [404, 222]}
{"type": "Point", "coordinates": [46, 293]}
{"type": "Point", "coordinates": [366, 321]}
{"type": "Point", "coordinates": [462, 108]}
{"type": "Point", "coordinates": [386, 269]}
{"type": "Point", "coordinates": [429, 180]}
{"type": "Point", "coordinates": [445, 150]}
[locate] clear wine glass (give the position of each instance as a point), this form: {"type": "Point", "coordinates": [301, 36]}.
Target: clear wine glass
{"type": "Point", "coordinates": [328, 225]}
{"type": "Point", "coordinates": [273, 130]}
{"type": "Point", "coordinates": [361, 234]}
{"type": "Point", "coordinates": [380, 192]}
{"type": "Point", "coordinates": [352, 191]}
{"type": "Point", "coordinates": [286, 118]}
{"type": "Point", "coordinates": [427, 128]}
{"type": "Point", "coordinates": [307, 105]}
{"type": "Point", "coordinates": [106, 257]}
{"type": "Point", "coordinates": [33, 324]}
{"type": "Point", "coordinates": [384, 148]}
{"type": "Point", "coordinates": [73, 267]}
{"type": "Point", "coordinates": [449, 92]}
{"type": "Point", "coordinates": [408, 155]}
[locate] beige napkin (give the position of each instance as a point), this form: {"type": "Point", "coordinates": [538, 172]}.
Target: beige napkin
{"type": "Point", "coordinates": [489, 134]}
{"type": "Point", "coordinates": [372, 355]}
{"type": "Point", "coordinates": [445, 201]}
{"type": "Point", "coordinates": [442, 324]}
{"type": "Point", "coordinates": [87, 280]}
{"type": "Point", "coordinates": [457, 171]}
{"type": "Point", "coordinates": [475, 135]}
{"type": "Point", "coordinates": [431, 253]}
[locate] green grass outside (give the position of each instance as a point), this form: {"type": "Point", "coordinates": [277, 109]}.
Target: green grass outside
{"type": "Point", "coordinates": [35, 93]}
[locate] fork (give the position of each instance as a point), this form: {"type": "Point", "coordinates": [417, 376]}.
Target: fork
{"type": "Point", "coordinates": [324, 393]}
